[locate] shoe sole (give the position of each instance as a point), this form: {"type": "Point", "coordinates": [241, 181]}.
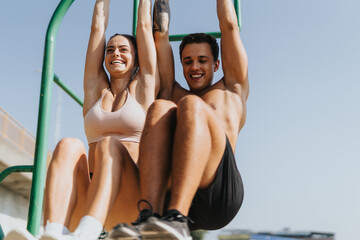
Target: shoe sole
{"type": "Point", "coordinates": [152, 231]}
{"type": "Point", "coordinates": [15, 235]}
{"type": "Point", "coordinates": [48, 238]}
{"type": "Point", "coordinates": [121, 234]}
{"type": "Point", "coordinates": [124, 238]}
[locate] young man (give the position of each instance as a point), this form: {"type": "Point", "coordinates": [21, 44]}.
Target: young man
{"type": "Point", "coordinates": [187, 165]}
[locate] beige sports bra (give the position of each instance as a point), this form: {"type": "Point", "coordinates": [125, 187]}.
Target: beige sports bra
{"type": "Point", "coordinates": [125, 124]}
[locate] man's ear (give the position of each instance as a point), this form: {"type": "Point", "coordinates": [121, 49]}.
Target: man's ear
{"type": "Point", "coordinates": [216, 65]}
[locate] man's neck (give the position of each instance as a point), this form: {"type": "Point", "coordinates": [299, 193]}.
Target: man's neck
{"type": "Point", "coordinates": [202, 91]}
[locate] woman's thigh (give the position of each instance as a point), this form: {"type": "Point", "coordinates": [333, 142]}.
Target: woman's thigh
{"type": "Point", "coordinates": [125, 209]}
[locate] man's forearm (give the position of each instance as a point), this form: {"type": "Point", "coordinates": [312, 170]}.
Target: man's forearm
{"type": "Point", "coordinates": [163, 48]}
{"type": "Point", "coordinates": [161, 16]}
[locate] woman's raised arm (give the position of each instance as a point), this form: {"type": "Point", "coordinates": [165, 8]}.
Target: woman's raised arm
{"type": "Point", "coordinates": [95, 77]}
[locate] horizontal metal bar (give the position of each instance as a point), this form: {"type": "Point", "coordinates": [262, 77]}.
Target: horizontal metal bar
{"type": "Point", "coordinates": [67, 90]}
{"type": "Point", "coordinates": [20, 168]}
{"type": "Point", "coordinates": [179, 37]}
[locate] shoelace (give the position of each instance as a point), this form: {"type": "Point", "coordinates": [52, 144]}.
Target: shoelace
{"type": "Point", "coordinates": [145, 213]}
{"type": "Point", "coordinates": [104, 234]}
{"type": "Point", "coordinates": [144, 201]}
{"type": "Point", "coordinates": [175, 215]}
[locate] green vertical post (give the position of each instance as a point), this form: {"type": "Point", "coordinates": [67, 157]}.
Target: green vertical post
{"type": "Point", "coordinates": [41, 145]}
{"type": "Point", "coordinates": [2, 235]}
{"type": "Point", "coordinates": [237, 5]}
{"type": "Point", "coordinates": [135, 16]}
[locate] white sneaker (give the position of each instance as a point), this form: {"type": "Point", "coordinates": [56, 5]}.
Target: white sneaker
{"type": "Point", "coordinates": [19, 234]}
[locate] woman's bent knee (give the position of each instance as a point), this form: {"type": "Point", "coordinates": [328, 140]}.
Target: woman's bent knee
{"type": "Point", "coordinates": [161, 107]}
{"type": "Point", "coordinates": [68, 150]}
{"type": "Point", "coordinates": [108, 150]}
{"type": "Point", "coordinates": [107, 145]}
{"type": "Point", "coordinates": [70, 144]}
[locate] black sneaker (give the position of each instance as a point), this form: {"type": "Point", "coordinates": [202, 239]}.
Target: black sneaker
{"type": "Point", "coordinates": [126, 232]}
{"type": "Point", "coordinates": [172, 226]}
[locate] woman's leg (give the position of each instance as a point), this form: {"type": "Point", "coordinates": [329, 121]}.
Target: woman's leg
{"type": "Point", "coordinates": [114, 189]}
{"type": "Point", "coordinates": [67, 179]}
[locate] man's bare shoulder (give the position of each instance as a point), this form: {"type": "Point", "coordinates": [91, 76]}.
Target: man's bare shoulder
{"type": "Point", "coordinates": [234, 89]}
{"type": "Point", "coordinates": [221, 95]}
{"type": "Point", "coordinates": [216, 87]}
{"type": "Point", "coordinates": [220, 84]}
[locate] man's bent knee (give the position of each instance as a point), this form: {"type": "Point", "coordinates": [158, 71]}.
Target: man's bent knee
{"type": "Point", "coordinates": [191, 106]}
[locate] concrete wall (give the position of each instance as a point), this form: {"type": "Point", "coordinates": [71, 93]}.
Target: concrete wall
{"type": "Point", "coordinates": [13, 210]}
{"type": "Point", "coordinates": [16, 148]}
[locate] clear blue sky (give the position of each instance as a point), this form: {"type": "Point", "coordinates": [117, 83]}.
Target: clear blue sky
{"type": "Point", "coordinates": [299, 152]}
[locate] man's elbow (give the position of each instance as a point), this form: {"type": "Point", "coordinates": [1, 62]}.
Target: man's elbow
{"type": "Point", "coordinates": [160, 38]}
{"type": "Point", "coordinates": [161, 31]}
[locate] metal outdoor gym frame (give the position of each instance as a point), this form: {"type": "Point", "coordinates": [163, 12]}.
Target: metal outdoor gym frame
{"type": "Point", "coordinates": [47, 78]}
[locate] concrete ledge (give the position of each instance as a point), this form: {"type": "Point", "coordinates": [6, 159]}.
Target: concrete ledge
{"type": "Point", "coordinates": [10, 155]}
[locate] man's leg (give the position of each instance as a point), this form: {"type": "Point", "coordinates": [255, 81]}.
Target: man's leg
{"type": "Point", "coordinates": [155, 153]}
{"type": "Point", "coordinates": [199, 144]}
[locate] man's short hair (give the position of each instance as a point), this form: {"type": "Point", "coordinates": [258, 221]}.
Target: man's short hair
{"type": "Point", "coordinates": [201, 38]}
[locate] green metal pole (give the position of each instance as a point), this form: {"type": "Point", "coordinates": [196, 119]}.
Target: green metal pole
{"type": "Point", "coordinates": [135, 16]}
{"type": "Point", "coordinates": [237, 5]}
{"type": "Point", "coordinates": [38, 182]}
{"type": "Point", "coordinates": [2, 235]}
{"type": "Point", "coordinates": [67, 90]}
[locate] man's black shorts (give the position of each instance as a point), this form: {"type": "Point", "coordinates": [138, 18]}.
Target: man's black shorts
{"type": "Point", "coordinates": [214, 207]}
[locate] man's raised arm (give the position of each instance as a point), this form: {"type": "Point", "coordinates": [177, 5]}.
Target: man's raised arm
{"type": "Point", "coordinates": [165, 58]}
{"type": "Point", "coordinates": [233, 54]}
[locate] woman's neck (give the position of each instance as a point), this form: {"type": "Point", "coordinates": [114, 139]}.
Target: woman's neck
{"type": "Point", "coordinates": [119, 84]}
